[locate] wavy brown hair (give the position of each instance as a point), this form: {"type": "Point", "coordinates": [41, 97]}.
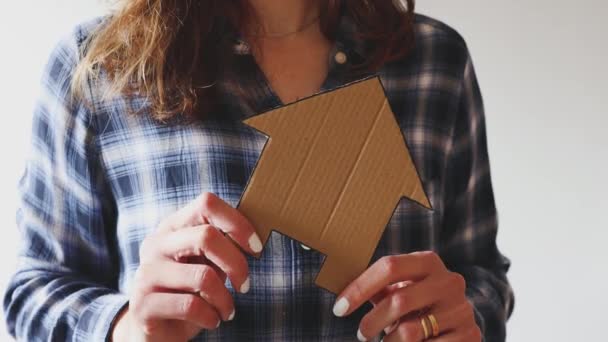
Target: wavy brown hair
{"type": "Point", "coordinates": [171, 50]}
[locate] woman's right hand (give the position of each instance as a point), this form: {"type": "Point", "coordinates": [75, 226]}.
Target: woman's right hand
{"type": "Point", "coordinates": [179, 287]}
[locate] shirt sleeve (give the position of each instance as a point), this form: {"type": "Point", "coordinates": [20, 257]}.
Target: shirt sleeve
{"type": "Point", "coordinates": [468, 241]}
{"type": "Point", "coordinates": [65, 285]}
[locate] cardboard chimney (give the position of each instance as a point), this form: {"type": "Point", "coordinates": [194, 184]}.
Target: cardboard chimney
{"type": "Point", "coordinates": [330, 176]}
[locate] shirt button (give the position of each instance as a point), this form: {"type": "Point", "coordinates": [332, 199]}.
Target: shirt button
{"type": "Point", "coordinates": [241, 47]}
{"type": "Point", "coordinates": [340, 57]}
{"type": "Point", "coordinates": [304, 247]}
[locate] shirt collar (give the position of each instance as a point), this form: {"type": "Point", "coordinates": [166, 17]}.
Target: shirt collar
{"type": "Point", "coordinates": [346, 40]}
{"type": "Point", "coordinates": [243, 77]}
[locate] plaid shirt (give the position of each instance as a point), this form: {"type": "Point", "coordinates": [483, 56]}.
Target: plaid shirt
{"type": "Point", "coordinates": [99, 180]}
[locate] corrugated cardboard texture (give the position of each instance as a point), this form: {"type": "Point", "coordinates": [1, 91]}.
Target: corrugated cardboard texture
{"type": "Point", "coordinates": [330, 176]}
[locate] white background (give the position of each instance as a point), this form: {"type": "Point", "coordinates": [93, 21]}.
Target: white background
{"type": "Point", "coordinates": [542, 67]}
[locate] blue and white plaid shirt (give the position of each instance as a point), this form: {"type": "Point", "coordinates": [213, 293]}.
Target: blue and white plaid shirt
{"type": "Point", "coordinates": [99, 179]}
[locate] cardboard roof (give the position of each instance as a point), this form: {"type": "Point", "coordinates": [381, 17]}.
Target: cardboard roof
{"type": "Point", "coordinates": [330, 176]}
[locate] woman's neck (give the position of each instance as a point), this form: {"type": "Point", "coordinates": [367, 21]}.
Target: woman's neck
{"type": "Point", "coordinates": [282, 17]}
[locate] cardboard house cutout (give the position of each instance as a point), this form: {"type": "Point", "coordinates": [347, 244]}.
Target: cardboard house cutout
{"type": "Point", "coordinates": [330, 176]}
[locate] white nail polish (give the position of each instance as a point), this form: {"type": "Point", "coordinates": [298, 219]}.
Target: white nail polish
{"type": "Point", "coordinates": [218, 324]}
{"type": "Point", "coordinates": [245, 286]}
{"type": "Point", "coordinates": [341, 307]}
{"type": "Point", "coordinates": [255, 244]}
{"type": "Point", "coordinates": [231, 317]}
{"type": "Point", "coordinates": [360, 336]}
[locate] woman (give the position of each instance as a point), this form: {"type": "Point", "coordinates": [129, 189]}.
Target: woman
{"type": "Point", "coordinates": [140, 157]}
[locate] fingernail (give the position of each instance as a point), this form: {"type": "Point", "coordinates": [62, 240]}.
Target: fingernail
{"type": "Point", "coordinates": [341, 307]}
{"type": "Point", "coordinates": [360, 336]}
{"type": "Point", "coordinates": [255, 244]}
{"type": "Point", "coordinates": [231, 317]}
{"type": "Point", "coordinates": [218, 324]}
{"type": "Point", "coordinates": [245, 286]}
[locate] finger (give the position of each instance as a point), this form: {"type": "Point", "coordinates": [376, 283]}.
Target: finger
{"type": "Point", "coordinates": [204, 261]}
{"type": "Point", "coordinates": [378, 297]}
{"type": "Point", "coordinates": [177, 306]}
{"type": "Point", "coordinates": [449, 319]}
{"type": "Point", "coordinates": [405, 301]}
{"type": "Point", "coordinates": [189, 215]}
{"type": "Point", "coordinates": [219, 272]}
{"type": "Point", "coordinates": [407, 331]}
{"type": "Point", "coordinates": [208, 208]}
{"type": "Point", "coordinates": [386, 271]}
{"type": "Point", "coordinates": [207, 241]}
{"type": "Point", "coordinates": [388, 330]}
{"type": "Point", "coordinates": [454, 315]}
{"type": "Point", "coordinates": [389, 314]}
{"type": "Point", "coordinates": [200, 279]}
{"type": "Point", "coordinates": [469, 334]}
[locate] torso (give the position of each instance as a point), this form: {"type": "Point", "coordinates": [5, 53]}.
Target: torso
{"type": "Point", "coordinates": [155, 169]}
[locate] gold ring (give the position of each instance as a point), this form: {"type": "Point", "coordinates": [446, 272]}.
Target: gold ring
{"type": "Point", "coordinates": [424, 328]}
{"type": "Point", "coordinates": [434, 324]}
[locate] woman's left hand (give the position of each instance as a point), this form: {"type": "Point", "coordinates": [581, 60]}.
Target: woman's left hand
{"type": "Point", "coordinates": [406, 289]}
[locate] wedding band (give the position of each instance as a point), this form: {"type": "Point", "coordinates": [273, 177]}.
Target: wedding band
{"type": "Point", "coordinates": [424, 328]}
{"type": "Point", "coordinates": [434, 324]}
